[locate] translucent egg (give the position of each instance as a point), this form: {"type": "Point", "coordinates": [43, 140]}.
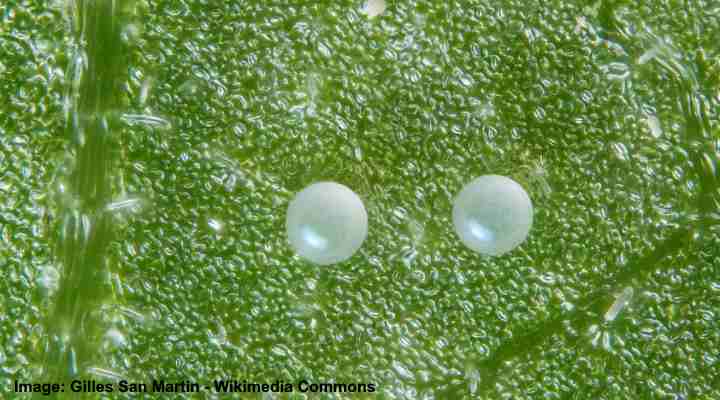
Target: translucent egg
{"type": "Point", "coordinates": [373, 8]}
{"type": "Point", "coordinates": [326, 223]}
{"type": "Point", "coordinates": [492, 214]}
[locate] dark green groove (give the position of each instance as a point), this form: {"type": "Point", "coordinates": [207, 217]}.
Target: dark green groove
{"type": "Point", "coordinates": [84, 227]}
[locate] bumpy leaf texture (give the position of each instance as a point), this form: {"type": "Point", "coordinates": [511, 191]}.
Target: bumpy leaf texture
{"type": "Point", "coordinates": [149, 149]}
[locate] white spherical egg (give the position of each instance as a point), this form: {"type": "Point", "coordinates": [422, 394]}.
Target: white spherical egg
{"type": "Point", "coordinates": [326, 223]}
{"type": "Point", "coordinates": [373, 8]}
{"type": "Point", "coordinates": [492, 214]}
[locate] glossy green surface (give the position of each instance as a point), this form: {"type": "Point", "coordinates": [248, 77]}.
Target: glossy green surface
{"type": "Point", "coordinates": [148, 153]}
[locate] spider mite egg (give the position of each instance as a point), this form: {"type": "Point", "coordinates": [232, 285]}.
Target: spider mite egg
{"type": "Point", "coordinates": [373, 8]}
{"type": "Point", "coordinates": [492, 214]}
{"type": "Point", "coordinates": [326, 223]}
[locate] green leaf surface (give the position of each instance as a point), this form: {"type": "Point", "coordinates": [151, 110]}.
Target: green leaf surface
{"type": "Point", "coordinates": [149, 150]}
